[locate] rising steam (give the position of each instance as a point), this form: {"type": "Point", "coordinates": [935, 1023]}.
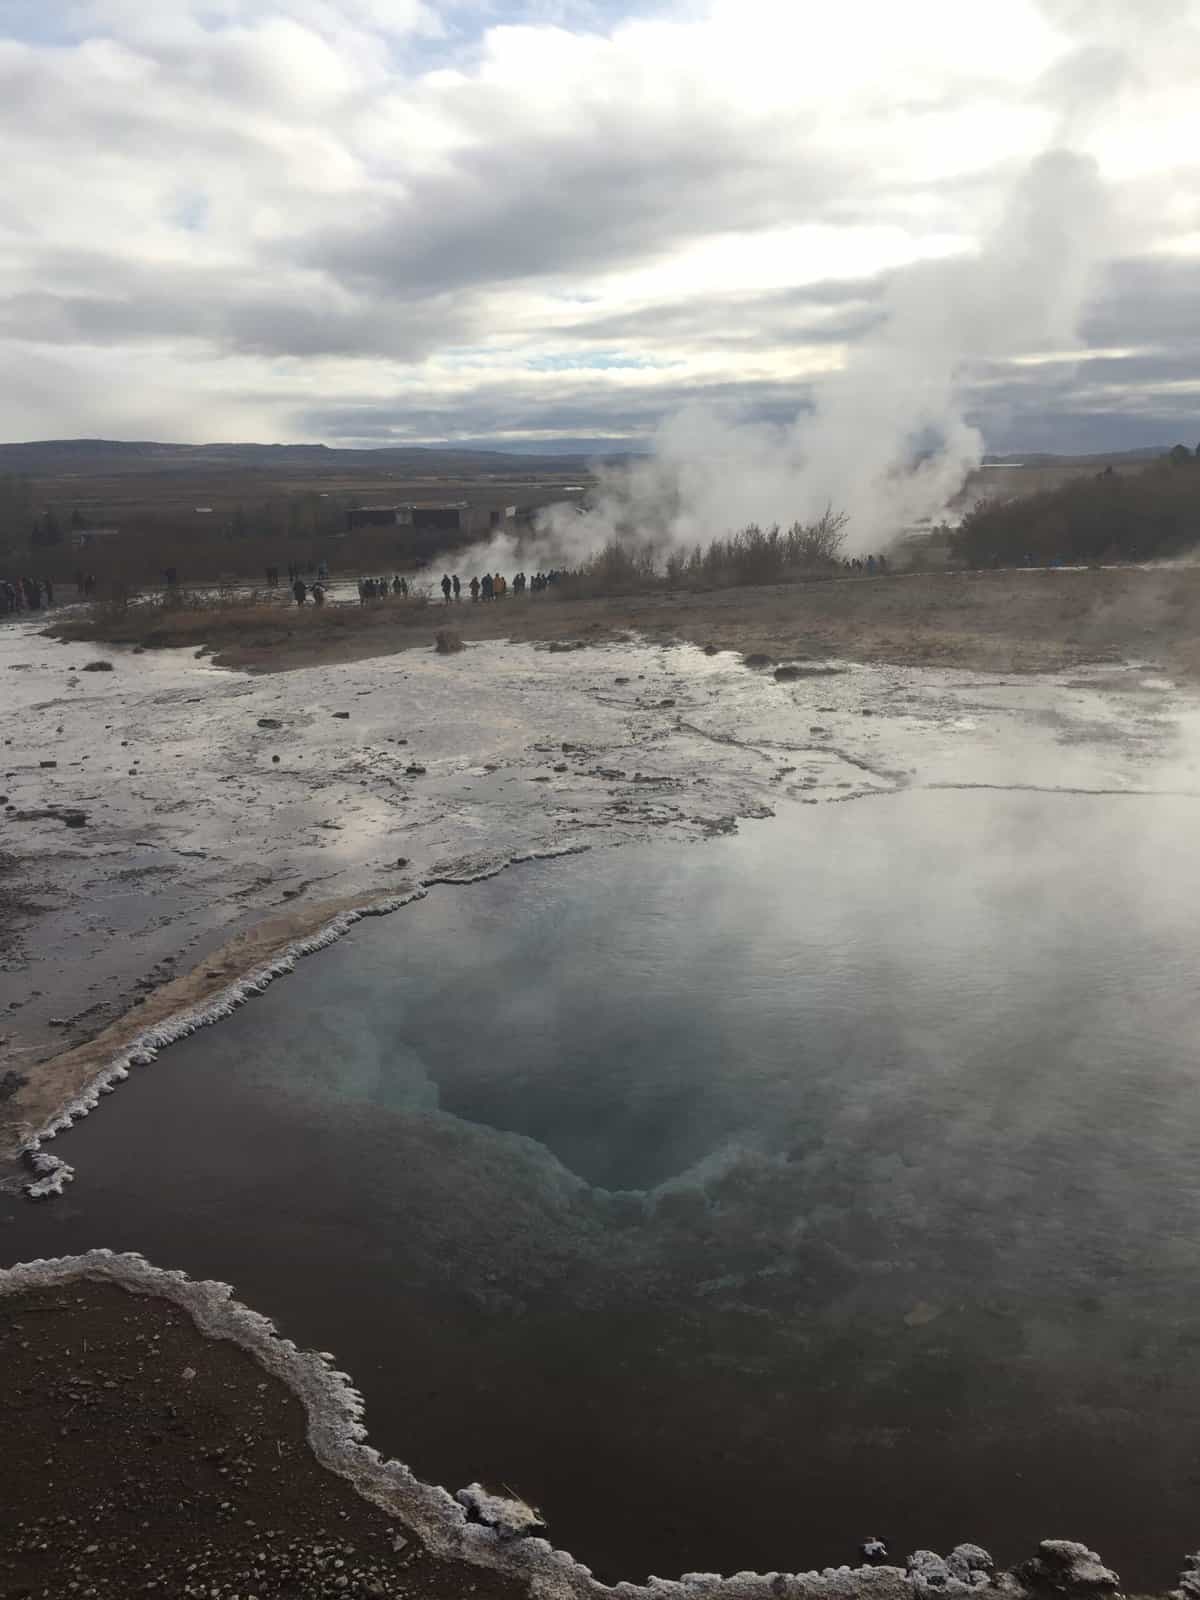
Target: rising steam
{"type": "Point", "coordinates": [888, 440]}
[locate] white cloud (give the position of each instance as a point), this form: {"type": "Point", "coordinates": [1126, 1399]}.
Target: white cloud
{"type": "Point", "coordinates": [273, 212]}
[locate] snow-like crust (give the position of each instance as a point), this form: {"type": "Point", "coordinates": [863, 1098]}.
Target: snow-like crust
{"type": "Point", "coordinates": [337, 1437]}
{"type": "Point", "coordinates": [50, 1173]}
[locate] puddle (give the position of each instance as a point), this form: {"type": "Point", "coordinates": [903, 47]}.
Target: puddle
{"type": "Point", "coordinates": [737, 1200]}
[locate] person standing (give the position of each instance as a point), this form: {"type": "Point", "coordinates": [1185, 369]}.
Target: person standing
{"type": "Point", "coordinates": [457, 589]}
{"type": "Point", "coordinates": [300, 590]}
{"type": "Point", "coordinates": [445, 589]}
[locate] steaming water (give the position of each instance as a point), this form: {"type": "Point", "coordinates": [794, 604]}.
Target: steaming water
{"type": "Point", "coordinates": [733, 1201]}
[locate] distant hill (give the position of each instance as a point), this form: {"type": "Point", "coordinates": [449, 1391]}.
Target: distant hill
{"type": "Point", "coordinates": [98, 457]}
{"type": "Point", "coordinates": [1040, 458]}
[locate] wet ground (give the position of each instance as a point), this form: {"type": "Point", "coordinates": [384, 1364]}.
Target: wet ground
{"type": "Point", "coordinates": [735, 1198]}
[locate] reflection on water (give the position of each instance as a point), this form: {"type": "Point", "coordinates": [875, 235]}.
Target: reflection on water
{"type": "Point", "coordinates": [734, 1201]}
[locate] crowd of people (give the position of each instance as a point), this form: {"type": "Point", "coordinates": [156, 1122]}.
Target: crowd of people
{"type": "Point", "coordinates": [868, 564]}
{"type": "Point", "coordinates": [25, 594]}
{"type": "Point", "coordinates": [494, 585]}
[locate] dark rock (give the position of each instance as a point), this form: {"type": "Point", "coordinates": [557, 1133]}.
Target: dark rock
{"type": "Point", "coordinates": [561, 767]}
{"type": "Point", "coordinates": [511, 1518]}
{"type": "Point", "coordinates": [275, 759]}
{"type": "Point", "coordinates": [139, 650]}
{"type": "Point", "coordinates": [873, 1550]}
{"type": "Point", "coordinates": [1062, 1567]}
{"type": "Point", "coordinates": [665, 705]}
{"type": "Point", "coordinates": [269, 722]}
{"type": "Point", "coordinates": [342, 714]}
{"type": "Point", "coordinates": [711, 650]}
{"type": "Point", "coordinates": [97, 666]}
{"type": "Point", "coordinates": [401, 861]}
{"type": "Point", "coordinates": [47, 763]}
{"type": "Point", "coordinates": [1189, 1580]}
{"type": "Point", "coordinates": [415, 771]}
{"type": "Point", "coordinates": [75, 819]}
{"type": "Point", "coordinates": [448, 642]}
{"type": "Point", "coordinates": [786, 674]}
{"type": "Point", "coordinates": [756, 659]}
{"type": "Point", "coordinates": [10, 1082]}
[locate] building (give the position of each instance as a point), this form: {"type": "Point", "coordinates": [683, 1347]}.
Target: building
{"type": "Point", "coordinates": [448, 519]}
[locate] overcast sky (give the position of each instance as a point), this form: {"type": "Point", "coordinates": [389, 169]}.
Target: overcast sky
{"type": "Point", "coordinates": [377, 221]}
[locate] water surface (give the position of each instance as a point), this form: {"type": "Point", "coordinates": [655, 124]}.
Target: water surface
{"type": "Point", "coordinates": [734, 1201]}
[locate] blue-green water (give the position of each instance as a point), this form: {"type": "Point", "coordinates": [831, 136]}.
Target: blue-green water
{"type": "Point", "coordinates": [733, 1201]}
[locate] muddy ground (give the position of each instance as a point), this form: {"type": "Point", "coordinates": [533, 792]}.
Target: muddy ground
{"type": "Point", "coordinates": [142, 1458]}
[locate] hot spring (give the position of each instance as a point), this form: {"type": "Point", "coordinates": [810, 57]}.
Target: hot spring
{"type": "Point", "coordinates": [732, 1201]}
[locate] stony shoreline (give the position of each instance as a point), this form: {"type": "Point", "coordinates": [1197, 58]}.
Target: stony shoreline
{"type": "Point", "coordinates": [162, 1438]}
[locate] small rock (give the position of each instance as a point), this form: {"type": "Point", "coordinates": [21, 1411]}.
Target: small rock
{"type": "Point", "coordinates": [711, 650]}
{"type": "Point", "coordinates": [47, 763]}
{"type": "Point", "coordinates": [269, 722]}
{"type": "Point", "coordinates": [97, 666]}
{"type": "Point", "coordinates": [447, 642]}
{"type": "Point", "coordinates": [1062, 1567]}
{"type": "Point", "coordinates": [756, 659]}
{"type": "Point", "coordinates": [415, 771]}
{"type": "Point", "coordinates": [342, 714]}
{"type": "Point", "coordinates": [786, 674]}
{"type": "Point", "coordinates": [511, 1518]}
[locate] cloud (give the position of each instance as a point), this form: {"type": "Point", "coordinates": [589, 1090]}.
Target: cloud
{"type": "Point", "coordinates": [349, 219]}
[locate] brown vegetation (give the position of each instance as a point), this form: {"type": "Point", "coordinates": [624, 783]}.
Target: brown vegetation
{"type": "Point", "coordinates": [1105, 516]}
{"type": "Point", "coordinates": [1005, 621]}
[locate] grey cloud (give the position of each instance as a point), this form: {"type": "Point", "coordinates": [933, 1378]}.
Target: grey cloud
{"type": "Point", "coordinates": [832, 312]}
{"type": "Point", "coordinates": [91, 298]}
{"type": "Point", "coordinates": [585, 199]}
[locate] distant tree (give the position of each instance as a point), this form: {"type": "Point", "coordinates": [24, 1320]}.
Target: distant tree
{"type": "Point", "coordinates": [16, 508]}
{"type": "Point", "coordinates": [47, 530]}
{"type": "Point", "coordinates": [1181, 456]}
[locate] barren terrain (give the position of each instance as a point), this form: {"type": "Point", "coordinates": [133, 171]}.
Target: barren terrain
{"type": "Point", "coordinates": [1026, 621]}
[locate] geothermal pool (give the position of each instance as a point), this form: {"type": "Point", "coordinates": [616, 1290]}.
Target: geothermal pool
{"type": "Point", "coordinates": [733, 1201]}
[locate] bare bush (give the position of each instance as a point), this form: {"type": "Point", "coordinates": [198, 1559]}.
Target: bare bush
{"type": "Point", "coordinates": [753, 555]}
{"type": "Point", "coordinates": [1109, 517]}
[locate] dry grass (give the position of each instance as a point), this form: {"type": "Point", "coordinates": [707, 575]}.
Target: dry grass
{"type": "Point", "coordinates": [1000, 621]}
